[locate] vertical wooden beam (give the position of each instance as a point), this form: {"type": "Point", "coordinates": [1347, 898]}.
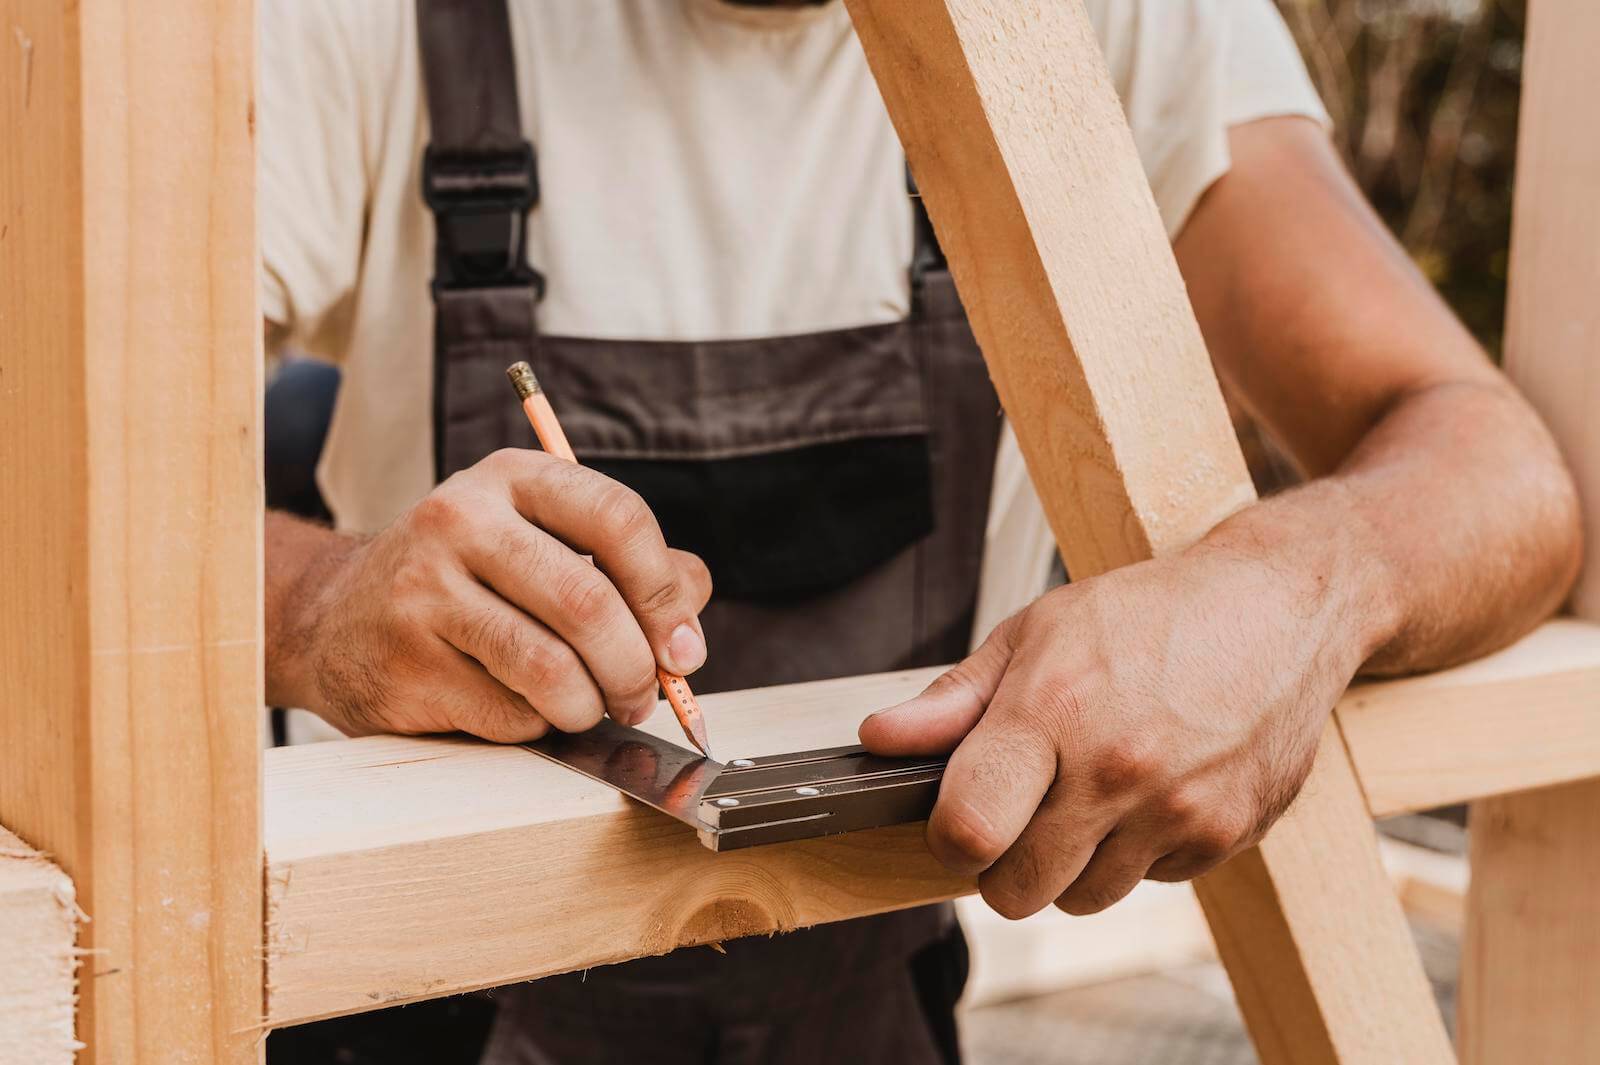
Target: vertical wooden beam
{"type": "Point", "coordinates": [1531, 967]}
{"type": "Point", "coordinates": [130, 533]}
{"type": "Point", "coordinates": [1020, 148]}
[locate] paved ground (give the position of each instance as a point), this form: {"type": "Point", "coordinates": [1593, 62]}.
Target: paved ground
{"type": "Point", "coordinates": [1181, 1017]}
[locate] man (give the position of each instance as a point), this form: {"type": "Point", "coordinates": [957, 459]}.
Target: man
{"type": "Point", "coordinates": [745, 323]}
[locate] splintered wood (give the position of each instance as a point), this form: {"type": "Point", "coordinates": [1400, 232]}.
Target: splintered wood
{"type": "Point", "coordinates": [38, 960]}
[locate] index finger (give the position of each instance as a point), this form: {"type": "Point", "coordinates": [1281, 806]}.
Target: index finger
{"type": "Point", "coordinates": [602, 517]}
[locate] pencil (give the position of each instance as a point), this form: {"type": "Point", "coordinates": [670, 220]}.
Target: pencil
{"type": "Point", "coordinates": [548, 429]}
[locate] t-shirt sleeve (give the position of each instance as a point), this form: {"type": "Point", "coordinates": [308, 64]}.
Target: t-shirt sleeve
{"type": "Point", "coordinates": [1190, 69]}
{"type": "Point", "coordinates": [313, 175]}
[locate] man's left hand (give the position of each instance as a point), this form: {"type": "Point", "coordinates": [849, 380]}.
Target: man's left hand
{"type": "Point", "coordinates": [1148, 723]}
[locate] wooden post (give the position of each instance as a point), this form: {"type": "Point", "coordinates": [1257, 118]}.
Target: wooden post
{"type": "Point", "coordinates": [130, 527]}
{"type": "Point", "coordinates": [1531, 967]}
{"type": "Point", "coordinates": [1031, 178]}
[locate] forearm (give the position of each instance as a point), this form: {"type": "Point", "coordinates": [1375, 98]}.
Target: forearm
{"type": "Point", "coordinates": [299, 555]}
{"type": "Point", "coordinates": [1448, 531]}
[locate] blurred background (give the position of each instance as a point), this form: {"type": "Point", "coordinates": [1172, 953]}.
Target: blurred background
{"type": "Point", "coordinates": [1424, 96]}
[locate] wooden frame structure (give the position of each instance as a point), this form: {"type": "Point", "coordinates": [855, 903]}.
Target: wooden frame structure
{"type": "Point", "coordinates": [400, 869]}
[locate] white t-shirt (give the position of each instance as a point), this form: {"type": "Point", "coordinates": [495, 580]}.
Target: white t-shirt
{"type": "Point", "coordinates": [708, 171]}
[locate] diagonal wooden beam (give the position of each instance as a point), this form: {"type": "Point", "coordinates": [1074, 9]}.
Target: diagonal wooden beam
{"type": "Point", "coordinates": [1020, 149]}
{"type": "Point", "coordinates": [130, 527]}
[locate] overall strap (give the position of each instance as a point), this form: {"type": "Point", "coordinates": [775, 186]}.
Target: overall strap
{"type": "Point", "coordinates": [480, 180]}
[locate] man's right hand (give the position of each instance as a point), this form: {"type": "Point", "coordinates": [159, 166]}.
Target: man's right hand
{"type": "Point", "coordinates": [477, 611]}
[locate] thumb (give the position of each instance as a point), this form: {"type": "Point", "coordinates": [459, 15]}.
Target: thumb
{"type": "Point", "coordinates": [935, 721]}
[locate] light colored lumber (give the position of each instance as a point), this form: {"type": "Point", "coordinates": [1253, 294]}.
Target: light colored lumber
{"type": "Point", "coordinates": [1531, 965]}
{"type": "Point", "coordinates": [1524, 717]}
{"type": "Point", "coordinates": [38, 960]}
{"type": "Point", "coordinates": [1030, 175]}
{"type": "Point", "coordinates": [1552, 345]}
{"type": "Point", "coordinates": [130, 642]}
{"type": "Point", "coordinates": [374, 845]}
{"type": "Point", "coordinates": [401, 869]}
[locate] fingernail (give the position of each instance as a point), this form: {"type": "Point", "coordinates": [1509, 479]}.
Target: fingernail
{"type": "Point", "coordinates": [686, 650]}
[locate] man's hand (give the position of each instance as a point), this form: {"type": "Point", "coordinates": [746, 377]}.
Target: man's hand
{"type": "Point", "coordinates": [1147, 723]}
{"type": "Point", "coordinates": [476, 610]}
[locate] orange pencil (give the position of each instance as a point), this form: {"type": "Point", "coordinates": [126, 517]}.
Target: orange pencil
{"type": "Point", "coordinates": [545, 426]}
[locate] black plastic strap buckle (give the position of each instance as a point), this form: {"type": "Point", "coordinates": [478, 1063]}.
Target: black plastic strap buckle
{"type": "Point", "coordinates": [480, 207]}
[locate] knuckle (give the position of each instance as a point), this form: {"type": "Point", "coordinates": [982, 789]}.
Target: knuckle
{"type": "Point", "coordinates": [1214, 840]}
{"type": "Point", "coordinates": [1008, 902]}
{"type": "Point", "coordinates": [1180, 866]}
{"type": "Point", "coordinates": [505, 459]}
{"type": "Point", "coordinates": [499, 721]}
{"type": "Point", "coordinates": [439, 513]}
{"type": "Point", "coordinates": [969, 834]}
{"type": "Point", "coordinates": [1179, 808]}
{"type": "Point", "coordinates": [1125, 765]}
{"type": "Point", "coordinates": [543, 665]}
{"type": "Point", "coordinates": [1061, 704]}
{"type": "Point", "coordinates": [638, 680]}
{"type": "Point", "coordinates": [1081, 901]}
{"type": "Point", "coordinates": [581, 595]}
{"type": "Point", "coordinates": [621, 513]}
{"type": "Point", "coordinates": [661, 599]}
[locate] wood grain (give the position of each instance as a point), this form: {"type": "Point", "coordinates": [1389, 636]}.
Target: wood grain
{"type": "Point", "coordinates": [1531, 964]}
{"type": "Point", "coordinates": [401, 869]}
{"type": "Point", "coordinates": [38, 960]}
{"type": "Point", "coordinates": [1552, 347]}
{"type": "Point", "coordinates": [1524, 717]}
{"type": "Point", "coordinates": [130, 653]}
{"type": "Point", "coordinates": [1030, 175]}
{"type": "Point", "coordinates": [1530, 968]}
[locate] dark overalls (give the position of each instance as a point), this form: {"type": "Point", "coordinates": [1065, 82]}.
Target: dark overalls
{"type": "Point", "coordinates": [837, 485]}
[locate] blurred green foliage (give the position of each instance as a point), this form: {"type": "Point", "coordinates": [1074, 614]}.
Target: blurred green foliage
{"type": "Point", "coordinates": [1423, 95]}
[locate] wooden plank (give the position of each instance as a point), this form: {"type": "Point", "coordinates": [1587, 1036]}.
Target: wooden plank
{"type": "Point", "coordinates": [398, 868]}
{"type": "Point", "coordinates": [401, 869]}
{"type": "Point", "coordinates": [1531, 964]}
{"type": "Point", "coordinates": [1530, 969]}
{"type": "Point", "coordinates": [130, 646]}
{"type": "Point", "coordinates": [1552, 316]}
{"type": "Point", "coordinates": [1031, 178]}
{"type": "Point", "coordinates": [38, 960]}
{"type": "Point", "coordinates": [1521, 718]}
